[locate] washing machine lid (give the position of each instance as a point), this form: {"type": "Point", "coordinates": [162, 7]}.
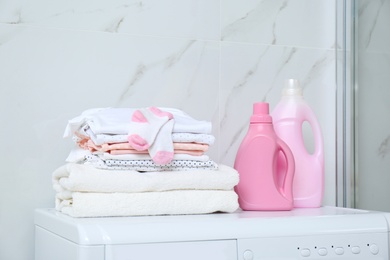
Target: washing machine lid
{"type": "Point", "coordinates": [241, 224]}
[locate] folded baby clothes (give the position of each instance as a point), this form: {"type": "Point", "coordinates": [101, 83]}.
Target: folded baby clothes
{"type": "Point", "coordinates": [118, 120]}
{"type": "Point", "coordinates": [79, 155]}
{"type": "Point", "coordinates": [86, 178]}
{"type": "Point", "coordinates": [144, 165]}
{"type": "Point", "coordinates": [100, 139]}
{"type": "Point", "coordinates": [176, 202]}
{"type": "Point", "coordinates": [176, 151]}
{"type": "Point", "coordinates": [187, 157]}
{"type": "Point", "coordinates": [109, 147]}
{"type": "Point", "coordinates": [87, 145]}
{"type": "Point", "coordinates": [146, 129]}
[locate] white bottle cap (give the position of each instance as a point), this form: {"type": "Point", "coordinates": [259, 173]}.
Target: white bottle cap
{"type": "Point", "coordinates": [292, 88]}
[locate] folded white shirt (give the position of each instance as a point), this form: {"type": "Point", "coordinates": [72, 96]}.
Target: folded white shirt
{"type": "Point", "coordinates": [117, 121]}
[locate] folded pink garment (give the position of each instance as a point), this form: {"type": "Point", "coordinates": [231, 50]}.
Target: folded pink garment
{"type": "Point", "coordinates": [90, 145]}
{"type": "Point", "coordinates": [132, 151]}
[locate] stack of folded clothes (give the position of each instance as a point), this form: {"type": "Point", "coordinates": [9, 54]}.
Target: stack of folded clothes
{"type": "Point", "coordinates": [147, 161]}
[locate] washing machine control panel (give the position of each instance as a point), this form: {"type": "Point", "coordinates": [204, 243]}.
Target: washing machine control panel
{"type": "Point", "coordinates": [328, 246]}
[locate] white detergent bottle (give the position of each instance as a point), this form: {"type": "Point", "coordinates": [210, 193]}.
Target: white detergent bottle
{"type": "Point", "coordinates": [289, 116]}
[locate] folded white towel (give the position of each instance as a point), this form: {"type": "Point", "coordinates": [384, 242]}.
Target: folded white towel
{"type": "Point", "coordinates": [84, 204]}
{"type": "Point", "coordinates": [81, 177]}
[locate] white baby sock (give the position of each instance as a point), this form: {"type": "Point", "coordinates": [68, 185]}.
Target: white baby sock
{"type": "Point", "coordinates": [144, 126]}
{"type": "Point", "coordinates": [161, 150]}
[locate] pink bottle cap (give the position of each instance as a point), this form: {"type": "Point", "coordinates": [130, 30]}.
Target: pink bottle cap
{"type": "Point", "coordinates": [261, 113]}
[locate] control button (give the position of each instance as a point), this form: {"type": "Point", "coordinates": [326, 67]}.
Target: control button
{"type": "Point", "coordinates": [248, 255]}
{"type": "Point", "coordinates": [322, 251]}
{"type": "Point", "coordinates": [374, 249]}
{"type": "Point", "coordinates": [305, 252]}
{"type": "Point", "coordinates": [339, 250]}
{"type": "Point", "coordinates": [355, 249]}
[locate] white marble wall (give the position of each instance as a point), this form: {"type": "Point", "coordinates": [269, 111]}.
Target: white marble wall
{"type": "Point", "coordinates": [213, 59]}
{"type": "Point", "coordinates": [373, 106]}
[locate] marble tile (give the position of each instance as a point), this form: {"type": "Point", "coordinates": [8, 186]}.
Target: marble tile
{"type": "Point", "coordinates": [374, 72]}
{"type": "Point", "coordinates": [83, 65]}
{"type": "Point", "coordinates": [10, 11]}
{"type": "Point", "coordinates": [373, 21]}
{"type": "Point", "coordinates": [373, 130]}
{"type": "Point", "coordinates": [302, 23]}
{"type": "Point", "coordinates": [170, 18]}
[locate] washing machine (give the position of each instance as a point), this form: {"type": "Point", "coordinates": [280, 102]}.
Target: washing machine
{"type": "Point", "coordinates": [315, 233]}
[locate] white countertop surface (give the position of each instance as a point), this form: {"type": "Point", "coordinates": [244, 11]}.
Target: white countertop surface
{"type": "Point", "coordinates": [241, 224]}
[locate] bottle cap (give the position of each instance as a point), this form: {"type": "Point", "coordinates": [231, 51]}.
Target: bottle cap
{"type": "Point", "coordinates": [261, 113]}
{"type": "Point", "coordinates": [292, 88]}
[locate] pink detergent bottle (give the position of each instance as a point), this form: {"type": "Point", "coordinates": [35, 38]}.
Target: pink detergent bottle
{"type": "Point", "coordinates": [289, 115]}
{"type": "Point", "coordinates": [261, 186]}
